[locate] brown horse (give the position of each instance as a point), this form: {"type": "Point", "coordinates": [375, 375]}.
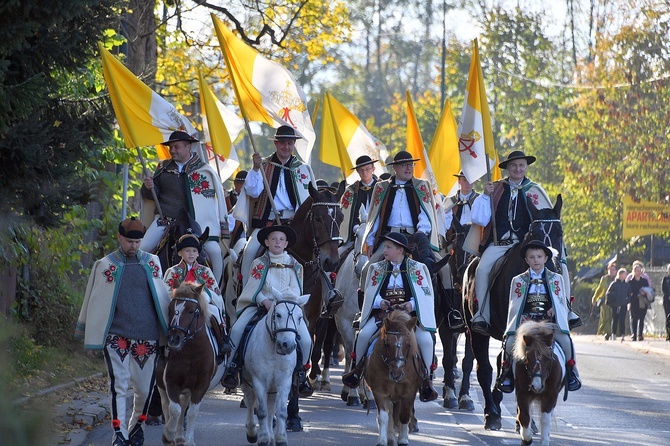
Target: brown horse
{"type": "Point", "coordinates": [190, 368]}
{"type": "Point", "coordinates": [545, 226]}
{"type": "Point", "coordinates": [392, 374]}
{"type": "Point", "coordinates": [538, 376]}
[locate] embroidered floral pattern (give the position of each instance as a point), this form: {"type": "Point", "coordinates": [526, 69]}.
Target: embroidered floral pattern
{"type": "Point", "coordinates": [347, 199]}
{"type": "Point", "coordinates": [375, 278]}
{"type": "Point", "coordinates": [257, 271]}
{"type": "Point", "coordinates": [200, 185]}
{"type": "Point", "coordinates": [119, 344]}
{"type": "Point", "coordinates": [424, 193]}
{"type": "Point", "coordinates": [141, 351]}
{"type": "Point", "coordinates": [557, 287]}
{"type": "Point", "coordinates": [518, 290]}
{"type": "Point", "coordinates": [156, 267]}
{"type": "Point", "coordinates": [378, 195]}
{"type": "Point", "coordinates": [534, 198]}
{"type": "Point", "coordinates": [174, 280]}
{"type": "Point", "coordinates": [418, 278]}
{"type": "Point", "coordinates": [110, 273]}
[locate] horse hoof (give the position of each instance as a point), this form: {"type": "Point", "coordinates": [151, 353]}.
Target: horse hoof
{"type": "Point", "coordinates": [324, 386]}
{"type": "Point", "coordinates": [450, 403]}
{"type": "Point", "coordinates": [526, 443]}
{"type": "Point", "coordinates": [283, 443]}
{"type": "Point", "coordinates": [252, 438]}
{"type": "Point", "coordinates": [369, 405]}
{"type": "Point", "coordinates": [466, 404]}
{"type": "Point", "coordinates": [294, 424]}
{"type": "Point", "coordinates": [353, 401]}
{"type": "Point", "coordinates": [492, 422]}
{"type": "Point", "coordinates": [167, 442]}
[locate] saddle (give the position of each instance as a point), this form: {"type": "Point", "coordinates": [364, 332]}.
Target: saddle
{"type": "Point", "coordinates": [244, 341]}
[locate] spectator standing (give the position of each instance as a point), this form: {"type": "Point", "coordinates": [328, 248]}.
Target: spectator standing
{"type": "Point", "coordinates": [618, 295]}
{"type": "Point", "coordinates": [638, 305]}
{"type": "Point", "coordinates": [605, 323]}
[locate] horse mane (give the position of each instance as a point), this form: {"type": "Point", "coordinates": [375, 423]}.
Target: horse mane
{"type": "Point", "coordinates": [190, 291]}
{"type": "Point", "coordinates": [398, 321]}
{"type": "Point", "coordinates": [537, 330]}
{"type": "Point", "coordinates": [303, 210]}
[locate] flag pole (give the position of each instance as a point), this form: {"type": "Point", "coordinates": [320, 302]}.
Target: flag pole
{"type": "Point", "coordinates": [153, 189]}
{"type": "Point", "coordinates": [493, 214]}
{"type": "Point", "coordinates": [265, 180]}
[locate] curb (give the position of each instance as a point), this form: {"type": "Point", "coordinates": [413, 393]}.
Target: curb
{"type": "Point", "coordinates": [52, 389]}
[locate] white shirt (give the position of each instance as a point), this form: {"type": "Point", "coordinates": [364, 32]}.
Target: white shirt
{"type": "Point", "coordinates": [466, 218]}
{"type": "Point", "coordinates": [254, 186]}
{"type": "Point", "coordinates": [401, 215]}
{"type": "Point", "coordinates": [395, 281]}
{"type": "Point", "coordinates": [534, 287]}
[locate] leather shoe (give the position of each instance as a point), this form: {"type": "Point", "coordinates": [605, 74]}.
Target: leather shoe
{"type": "Point", "coordinates": [119, 440]}
{"type": "Point", "coordinates": [574, 383]}
{"type": "Point", "coordinates": [427, 392]}
{"type": "Point", "coordinates": [455, 320]}
{"type": "Point", "coordinates": [574, 320]}
{"type": "Point", "coordinates": [351, 379]}
{"type": "Point", "coordinates": [136, 436]}
{"type": "Point", "coordinates": [481, 327]}
{"type": "Point", "coordinates": [305, 390]}
{"type": "Point", "coordinates": [230, 379]}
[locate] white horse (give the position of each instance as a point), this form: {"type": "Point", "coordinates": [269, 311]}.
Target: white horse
{"type": "Point", "coordinates": [347, 282]}
{"type": "Point", "coordinates": [269, 361]}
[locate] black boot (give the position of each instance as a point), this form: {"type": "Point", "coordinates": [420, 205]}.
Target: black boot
{"type": "Point", "coordinates": [427, 392]}
{"type": "Point", "coordinates": [574, 383]}
{"type": "Point", "coordinates": [119, 440]}
{"type": "Point", "coordinates": [505, 381]}
{"type": "Point", "coordinates": [136, 436]}
{"type": "Point", "coordinates": [231, 379]}
{"type": "Point", "coordinates": [352, 378]}
{"type": "Point", "coordinates": [305, 390]}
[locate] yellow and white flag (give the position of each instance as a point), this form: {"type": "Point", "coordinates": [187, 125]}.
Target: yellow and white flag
{"type": "Point", "coordinates": [144, 117]}
{"type": "Point", "coordinates": [344, 138]}
{"type": "Point", "coordinates": [221, 127]}
{"type": "Point", "coordinates": [443, 152]}
{"type": "Point", "coordinates": [422, 168]}
{"type": "Point", "coordinates": [266, 91]}
{"type": "Point", "coordinates": [475, 141]}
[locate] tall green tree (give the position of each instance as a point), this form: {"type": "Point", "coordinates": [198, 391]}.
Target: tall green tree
{"type": "Point", "coordinates": [52, 119]}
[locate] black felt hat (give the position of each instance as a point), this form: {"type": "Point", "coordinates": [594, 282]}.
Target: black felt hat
{"type": "Point", "coordinates": [536, 244]}
{"type": "Point", "coordinates": [263, 234]}
{"type": "Point", "coordinates": [516, 155]}
{"type": "Point", "coordinates": [363, 160]}
{"type": "Point", "coordinates": [188, 241]}
{"type": "Point", "coordinates": [285, 133]}
{"type": "Point", "coordinates": [402, 157]}
{"type": "Point", "coordinates": [179, 136]}
{"type": "Point", "coordinates": [241, 176]}
{"type": "Point", "coordinates": [398, 239]}
{"type": "Point", "coordinates": [460, 174]}
{"type": "Point", "coordinates": [132, 228]}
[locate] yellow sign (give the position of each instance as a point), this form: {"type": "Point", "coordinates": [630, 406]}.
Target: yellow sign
{"type": "Point", "coordinates": [644, 218]}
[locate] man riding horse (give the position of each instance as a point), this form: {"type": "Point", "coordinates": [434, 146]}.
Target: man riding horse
{"type": "Point", "coordinates": [356, 200]}
{"type": "Point", "coordinates": [511, 197]}
{"type": "Point", "coordinates": [187, 182]}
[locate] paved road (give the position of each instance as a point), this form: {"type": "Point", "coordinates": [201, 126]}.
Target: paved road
{"type": "Point", "coordinates": [625, 400]}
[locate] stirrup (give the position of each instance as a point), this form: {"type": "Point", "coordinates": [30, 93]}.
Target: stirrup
{"type": "Point", "coordinates": [136, 436]}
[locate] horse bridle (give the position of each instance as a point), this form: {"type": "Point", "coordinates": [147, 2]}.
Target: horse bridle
{"type": "Point", "coordinates": [188, 334]}
{"type": "Point", "coordinates": [546, 226]}
{"type": "Point", "coordinates": [536, 371]}
{"type": "Point", "coordinates": [398, 345]}
{"type": "Point", "coordinates": [272, 328]}
{"type": "Point", "coordinates": [334, 231]}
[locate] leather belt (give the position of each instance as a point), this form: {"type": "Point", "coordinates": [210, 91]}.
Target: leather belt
{"type": "Point", "coordinates": [396, 296]}
{"type": "Point", "coordinates": [506, 242]}
{"type": "Point", "coordinates": [402, 229]}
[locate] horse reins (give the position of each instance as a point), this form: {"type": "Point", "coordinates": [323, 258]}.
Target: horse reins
{"type": "Point", "coordinates": [196, 317]}
{"type": "Point", "coordinates": [546, 226]}
{"type": "Point", "coordinates": [537, 366]}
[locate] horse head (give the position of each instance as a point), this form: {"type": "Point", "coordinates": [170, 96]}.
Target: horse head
{"type": "Point", "coordinates": [533, 350]}
{"type": "Point", "coordinates": [284, 319]}
{"type": "Point", "coordinates": [546, 226]}
{"type": "Point", "coordinates": [398, 343]}
{"type": "Point", "coordinates": [188, 313]}
{"type": "Point", "coordinates": [317, 224]}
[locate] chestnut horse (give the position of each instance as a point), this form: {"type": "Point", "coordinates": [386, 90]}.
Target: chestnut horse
{"type": "Point", "coordinates": [190, 369]}
{"type": "Point", "coordinates": [545, 226]}
{"type": "Point", "coordinates": [538, 376]}
{"type": "Point", "coordinates": [392, 374]}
